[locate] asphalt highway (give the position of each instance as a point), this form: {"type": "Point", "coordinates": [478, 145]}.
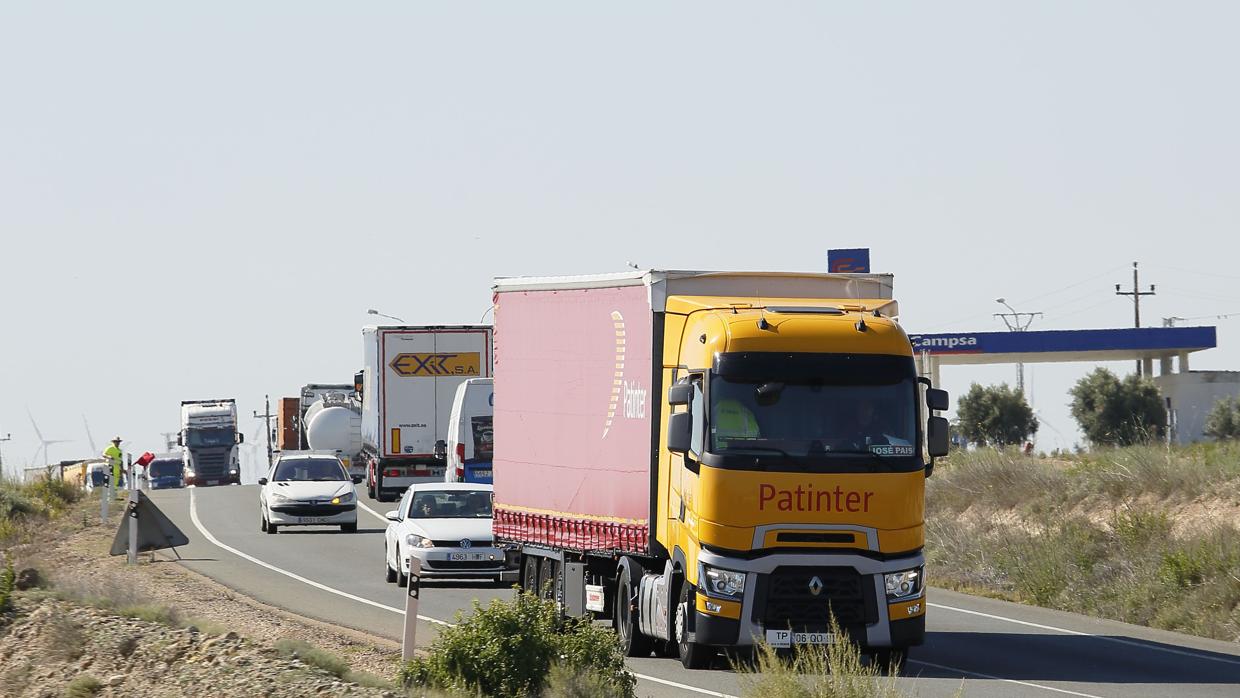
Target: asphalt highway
{"type": "Point", "coordinates": [995, 648]}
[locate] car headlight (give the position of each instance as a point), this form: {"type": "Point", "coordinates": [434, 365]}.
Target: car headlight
{"type": "Point", "coordinates": [904, 584]}
{"type": "Point", "coordinates": [413, 540]}
{"type": "Point", "coordinates": [345, 498]}
{"type": "Point", "coordinates": [724, 583]}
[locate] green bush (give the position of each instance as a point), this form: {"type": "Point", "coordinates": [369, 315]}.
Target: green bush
{"type": "Point", "coordinates": [14, 501]}
{"type": "Point", "coordinates": [1116, 412]}
{"type": "Point", "coordinates": [816, 671]}
{"type": "Point", "coordinates": [55, 495]}
{"type": "Point", "coordinates": [995, 415]}
{"type": "Point", "coordinates": [8, 582]}
{"type": "Point", "coordinates": [1223, 422]}
{"type": "Point", "coordinates": [509, 648]}
{"type": "Point", "coordinates": [314, 656]}
{"type": "Point", "coordinates": [84, 686]}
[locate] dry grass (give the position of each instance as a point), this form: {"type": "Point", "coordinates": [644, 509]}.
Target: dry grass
{"type": "Point", "coordinates": [1095, 534]}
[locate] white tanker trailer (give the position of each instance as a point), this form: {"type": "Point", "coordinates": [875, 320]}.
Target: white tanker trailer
{"type": "Point", "coordinates": [333, 422]}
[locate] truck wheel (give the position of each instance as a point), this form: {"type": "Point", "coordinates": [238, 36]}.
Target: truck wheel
{"type": "Point", "coordinates": [624, 618]}
{"type": "Point", "coordinates": [370, 488]}
{"type": "Point", "coordinates": [890, 659]}
{"type": "Point", "coordinates": [379, 486]}
{"type": "Point", "coordinates": [692, 655]}
{"type": "Point", "coordinates": [529, 574]}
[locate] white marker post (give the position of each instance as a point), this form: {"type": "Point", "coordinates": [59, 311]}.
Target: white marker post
{"type": "Point", "coordinates": [132, 512]}
{"type": "Point", "coordinates": [411, 608]}
{"type": "Point", "coordinates": [107, 494]}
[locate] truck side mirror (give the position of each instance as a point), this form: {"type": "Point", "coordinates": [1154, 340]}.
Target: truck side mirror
{"type": "Point", "coordinates": [936, 399]}
{"type": "Point", "coordinates": [680, 394]}
{"type": "Point", "coordinates": [179, 440]}
{"type": "Point", "coordinates": [679, 432]}
{"type": "Point", "coordinates": [240, 438]}
{"type": "Point", "coordinates": [936, 436]}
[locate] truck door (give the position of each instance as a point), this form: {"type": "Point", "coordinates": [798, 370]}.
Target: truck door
{"type": "Point", "coordinates": [407, 392]}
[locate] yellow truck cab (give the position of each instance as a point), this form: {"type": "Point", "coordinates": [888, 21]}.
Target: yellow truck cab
{"type": "Point", "coordinates": [788, 434]}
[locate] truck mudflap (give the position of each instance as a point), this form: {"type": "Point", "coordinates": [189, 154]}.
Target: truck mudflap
{"type": "Point", "coordinates": [788, 592]}
{"type": "Point", "coordinates": [565, 531]}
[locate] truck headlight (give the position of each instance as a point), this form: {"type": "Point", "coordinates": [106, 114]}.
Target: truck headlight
{"type": "Point", "coordinates": [413, 540]}
{"type": "Point", "coordinates": [722, 583]}
{"type": "Point", "coordinates": [904, 584]}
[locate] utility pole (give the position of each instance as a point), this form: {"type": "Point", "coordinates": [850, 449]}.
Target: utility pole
{"type": "Point", "coordinates": [266, 417]}
{"type": "Point", "coordinates": [1136, 294]}
{"type": "Point", "coordinates": [1017, 322]}
{"type": "Point", "coordinates": [7, 437]}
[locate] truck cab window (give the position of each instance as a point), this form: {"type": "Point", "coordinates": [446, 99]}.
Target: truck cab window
{"type": "Point", "coordinates": [697, 407]}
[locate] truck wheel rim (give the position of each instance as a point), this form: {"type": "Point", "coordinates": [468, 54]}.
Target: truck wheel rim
{"type": "Point", "coordinates": [680, 623]}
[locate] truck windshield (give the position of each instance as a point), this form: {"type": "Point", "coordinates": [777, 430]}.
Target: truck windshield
{"type": "Point", "coordinates": [813, 407]}
{"type": "Point", "coordinates": [165, 468]}
{"type": "Point", "coordinates": [200, 438]}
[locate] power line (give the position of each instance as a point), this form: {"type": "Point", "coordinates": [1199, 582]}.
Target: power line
{"type": "Point", "coordinates": [1061, 289]}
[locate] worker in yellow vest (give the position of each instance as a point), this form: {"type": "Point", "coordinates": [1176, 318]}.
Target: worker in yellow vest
{"type": "Point", "coordinates": [116, 457]}
{"type": "Point", "coordinates": [732, 420]}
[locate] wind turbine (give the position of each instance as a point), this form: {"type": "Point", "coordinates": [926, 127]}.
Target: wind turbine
{"type": "Point", "coordinates": [89, 439]}
{"type": "Point", "coordinates": [43, 443]}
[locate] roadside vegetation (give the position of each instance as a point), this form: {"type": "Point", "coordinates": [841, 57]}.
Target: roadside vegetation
{"type": "Point", "coordinates": [25, 507]}
{"type": "Point", "coordinates": [1141, 534]}
{"type": "Point", "coordinates": [816, 671]}
{"type": "Point", "coordinates": [521, 647]}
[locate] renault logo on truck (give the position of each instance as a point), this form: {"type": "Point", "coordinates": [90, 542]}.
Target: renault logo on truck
{"type": "Point", "coordinates": [460, 364]}
{"type": "Point", "coordinates": [815, 586]}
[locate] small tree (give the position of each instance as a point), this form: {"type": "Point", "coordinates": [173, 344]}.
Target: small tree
{"type": "Point", "coordinates": [1118, 412]}
{"type": "Point", "coordinates": [996, 415]}
{"type": "Point", "coordinates": [1223, 422]}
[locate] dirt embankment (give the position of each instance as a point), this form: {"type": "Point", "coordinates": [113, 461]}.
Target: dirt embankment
{"type": "Point", "coordinates": [158, 628]}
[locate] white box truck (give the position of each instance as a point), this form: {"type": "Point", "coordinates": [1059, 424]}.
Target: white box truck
{"type": "Point", "coordinates": [409, 379]}
{"type": "Point", "coordinates": [209, 439]}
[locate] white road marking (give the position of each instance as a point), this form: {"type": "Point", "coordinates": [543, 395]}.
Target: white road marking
{"type": "Point", "coordinates": [377, 515]}
{"type": "Point", "coordinates": [193, 515]}
{"type": "Point", "coordinates": [996, 678]}
{"type": "Point", "coordinates": [1106, 638]}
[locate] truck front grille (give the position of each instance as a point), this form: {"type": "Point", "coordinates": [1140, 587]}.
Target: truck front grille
{"type": "Point", "coordinates": [212, 462]}
{"type": "Point", "coordinates": [786, 599]}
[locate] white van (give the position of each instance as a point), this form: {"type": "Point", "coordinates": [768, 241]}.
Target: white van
{"type": "Point", "coordinates": [471, 440]}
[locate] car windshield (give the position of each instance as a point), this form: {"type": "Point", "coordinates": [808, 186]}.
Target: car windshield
{"type": "Point", "coordinates": [165, 468]}
{"type": "Point", "coordinates": [200, 438]}
{"type": "Point", "coordinates": [450, 504]}
{"type": "Point", "coordinates": [309, 470]}
{"type": "Point", "coordinates": [811, 407]}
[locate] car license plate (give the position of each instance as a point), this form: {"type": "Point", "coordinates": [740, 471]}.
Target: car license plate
{"type": "Point", "coordinates": [213, 482]}
{"type": "Point", "coordinates": [787, 638]}
{"type": "Point", "coordinates": [460, 557]}
{"type": "Point", "coordinates": [312, 519]}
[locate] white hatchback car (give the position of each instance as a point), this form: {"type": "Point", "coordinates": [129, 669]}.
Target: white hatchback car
{"type": "Point", "coordinates": [447, 526]}
{"type": "Point", "coordinates": [308, 489]}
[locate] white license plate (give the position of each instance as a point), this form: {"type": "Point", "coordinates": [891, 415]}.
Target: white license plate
{"type": "Point", "coordinates": [787, 638]}
{"type": "Point", "coordinates": [312, 519]}
{"type": "Point", "coordinates": [213, 482]}
{"type": "Point", "coordinates": [459, 557]}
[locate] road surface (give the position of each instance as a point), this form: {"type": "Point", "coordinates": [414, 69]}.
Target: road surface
{"type": "Point", "coordinates": [996, 648]}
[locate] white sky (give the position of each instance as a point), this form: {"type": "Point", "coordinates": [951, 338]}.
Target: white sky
{"type": "Point", "coordinates": [202, 202]}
